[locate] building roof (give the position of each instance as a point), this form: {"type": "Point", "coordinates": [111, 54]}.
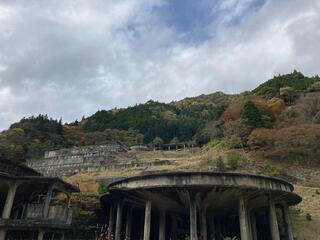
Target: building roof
{"type": "Point", "coordinates": [42, 179]}
{"type": "Point", "coordinates": [206, 182]}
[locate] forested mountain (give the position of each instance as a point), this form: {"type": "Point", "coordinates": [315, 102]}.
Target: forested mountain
{"type": "Point", "coordinates": [289, 103]}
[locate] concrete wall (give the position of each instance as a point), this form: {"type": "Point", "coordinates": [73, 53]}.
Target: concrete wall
{"type": "Point", "coordinates": [85, 159]}
{"type": "Point", "coordinates": [72, 160]}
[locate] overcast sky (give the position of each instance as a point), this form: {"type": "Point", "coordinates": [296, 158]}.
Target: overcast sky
{"type": "Point", "coordinates": [71, 58]}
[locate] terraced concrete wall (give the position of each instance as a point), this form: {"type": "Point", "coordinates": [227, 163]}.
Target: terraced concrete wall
{"type": "Point", "coordinates": [93, 158]}
{"type": "Point", "coordinates": [72, 160]}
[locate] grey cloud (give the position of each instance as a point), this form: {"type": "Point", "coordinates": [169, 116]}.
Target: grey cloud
{"type": "Point", "coordinates": [72, 58]}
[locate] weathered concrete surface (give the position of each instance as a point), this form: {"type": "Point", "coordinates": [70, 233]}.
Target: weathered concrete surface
{"type": "Point", "coordinates": [93, 158]}
{"type": "Point", "coordinates": [233, 200]}
{"type": "Point", "coordinates": [176, 179]}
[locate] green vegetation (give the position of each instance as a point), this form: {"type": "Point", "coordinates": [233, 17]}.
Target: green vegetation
{"type": "Point", "coordinates": [275, 171]}
{"type": "Point", "coordinates": [220, 164]}
{"type": "Point", "coordinates": [252, 116]}
{"type": "Point", "coordinates": [102, 188]}
{"type": "Point", "coordinates": [235, 159]}
{"type": "Point", "coordinates": [295, 80]}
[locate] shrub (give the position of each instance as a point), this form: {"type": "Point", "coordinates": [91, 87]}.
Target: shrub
{"type": "Point", "coordinates": [220, 164]}
{"type": "Point", "coordinates": [308, 217]}
{"type": "Point", "coordinates": [314, 87]}
{"type": "Point", "coordinates": [233, 159]}
{"type": "Point", "coordinates": [274, 171]}
{"type": "Point", "coordinates": [103, 187]}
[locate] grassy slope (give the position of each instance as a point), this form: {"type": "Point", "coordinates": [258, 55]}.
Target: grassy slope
{"type": "Point", "coordinates": [204, 160]}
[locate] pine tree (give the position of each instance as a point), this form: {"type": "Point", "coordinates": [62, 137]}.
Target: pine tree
{"type": "Point", "coordinates": [252, 115]}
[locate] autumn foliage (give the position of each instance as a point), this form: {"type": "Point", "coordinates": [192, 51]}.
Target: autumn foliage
{"type": "Point", "coordinates": [293, 143]}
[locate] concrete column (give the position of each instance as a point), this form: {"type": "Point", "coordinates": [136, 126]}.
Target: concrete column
{"type": "Point", "coordinates": [254, 227]}
{"type": "Point", "coordinates": [174, 228]}
{"type": "Point", "coordinates": [147, 221]}
{"type": "Point", "coordinates": [111, 223]}
{"type": "Point", "coordinates": [193, 219]}
{"type": "Point", "coordinates": [9, 200]}
{"type": "Point", "coordinates": [288, 221]}
{"type": "Point", "coordinates": [162, 225]}
{"type": "Point", "coordinates": [249, 224]}
{"type": "Point", "coordinates": [40, 235]}
{"type": "Point", "coordinates": [67, 206]}
{"type": "Point", "coordinates": [212, 229]}
{"type": "Point", "coordinates": [141, 228]}
{"type": "Point", "coordinates": [3, 234]}
{"type": "Point", "coordinates": [46, 207]}
{"type": "Point", "coordinates": [118, 222]}
{"type": "Point", "coordinates": [128, 224]}
{"type": "Point", "coordinates": [244, 231]}
{"type": "Point", "coordinates": [204, 232]}
{"type": "Point", "coordinates": [273, 221]}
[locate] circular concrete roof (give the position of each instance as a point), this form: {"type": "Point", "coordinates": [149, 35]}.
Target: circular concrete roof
{"type": "Point", "coordinates": [201, 179]}
{"type": "Point", "coordinates": [207, 180]}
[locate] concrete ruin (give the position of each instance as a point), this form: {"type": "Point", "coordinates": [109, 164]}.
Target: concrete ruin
{"type": "Point", "coordinates": [198, 205]}
{"type": "Point", "coordinates": [32, 206]}
{"type": "Point", "coordinates": [68, 161]}
{"type": "Point", "coordinates": [93, 158]}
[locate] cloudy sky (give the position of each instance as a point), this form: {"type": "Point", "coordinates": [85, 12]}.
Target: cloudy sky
{"type": "Point", "coordinates": [70, 58]}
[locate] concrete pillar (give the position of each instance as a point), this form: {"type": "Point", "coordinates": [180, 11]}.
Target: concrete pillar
{"type": "Point", "coordinates": [147, 221]}
{"type": "Point", "coordinates": [118, 222]}
{"type": "Point", "coordinates": [111, 223]}
{"type": "Point", "coordinates": [204, 232]}
{"type": "Point", "coordinates": [249, 224]}
{"type": "Point", "coordinates": [254, 227]}
{"type": "Point", "coordinates": [273, 221]}
{"type": "Point", "coordinates": [67, 205]}
{"type": "Point", "coordinates": [9, 200]}
{"type": "Point", "coordinates": [174, 228]}
{"type": "Point", "coordinates": [244, 231]}
{"type": "Point", "coordinates": [128, 224]}
{"type": "Point", "coordinates": [288, 221]}
{"type": "Point", "coordinates": [2, 234]}
{"type": "Point", "coordinates": [40, 235]}
{"type": "Point", "coordinates": [8, 206]}
{"type": "Point", "coordinates": [141, 228]}
{"type": "Point", "coordinates": [162, 225]}
{"type": "Point", "coordinates": [46, 207]}
{"type": "Point", "coordinates": [193, 219]}
{"type": "Point", "coordinates": [212, 229]}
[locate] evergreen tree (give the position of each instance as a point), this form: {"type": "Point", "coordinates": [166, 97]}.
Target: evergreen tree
{"type": "Point", "coordinates": [252, 115]}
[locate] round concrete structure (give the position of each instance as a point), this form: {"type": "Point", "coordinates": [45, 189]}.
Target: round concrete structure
{"type": "Point", "coordinates": [199, 205]}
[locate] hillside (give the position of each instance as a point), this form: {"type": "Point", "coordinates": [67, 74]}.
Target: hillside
{"type": "Point", "coordinates": [288, 103]}
{"type": "Point", "coordinates": [273, 130]}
